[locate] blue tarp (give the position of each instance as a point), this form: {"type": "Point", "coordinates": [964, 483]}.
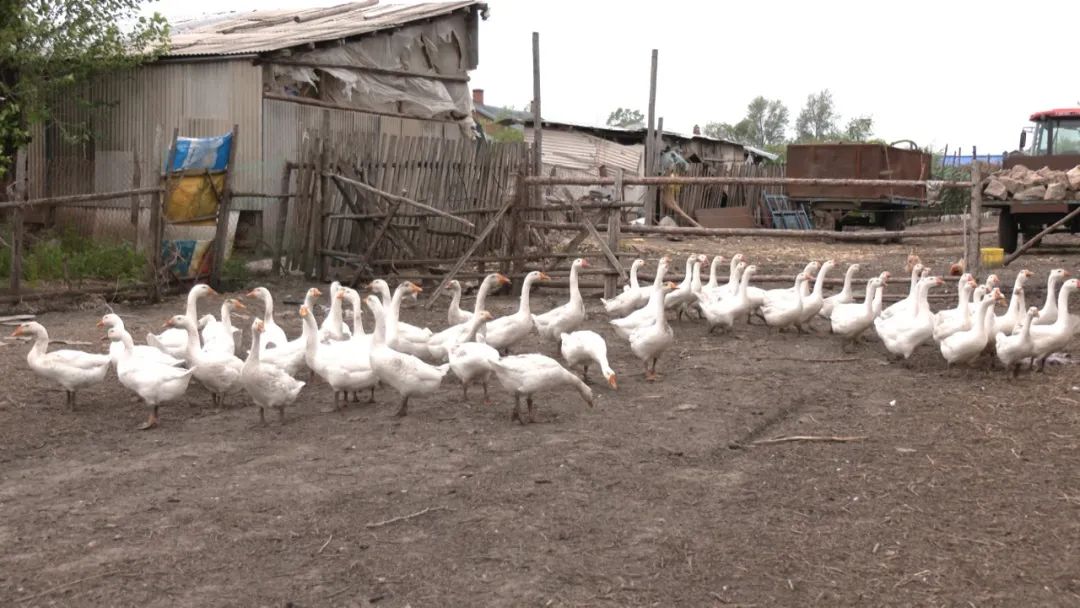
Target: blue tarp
{"type": "Point", "coordinates": [198, 153]}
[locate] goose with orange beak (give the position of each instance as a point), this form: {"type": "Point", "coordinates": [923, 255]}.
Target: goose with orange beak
{"type": "Point", "coordinates": [71, 369]}
{"type": "Point", "coordinates": [273, 335]}
{"type": "Point", "coordinates": [174, 340]}
{"type": "Point", "coordinates": [585, 348]}
{"type": "Point", "coordinates": [568, 317]}
{"type": "Point", "coordinates": [504, 332]}
{"type": "Point", "coordinates": [220, 336]}
{"type": "Point", "coordinates": [650, 341]}
{"type": "Point", "coordinates": [527, 375]}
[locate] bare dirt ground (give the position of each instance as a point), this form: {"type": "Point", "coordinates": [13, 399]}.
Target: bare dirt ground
{"type": "Point", "coordinates": [962, 492]}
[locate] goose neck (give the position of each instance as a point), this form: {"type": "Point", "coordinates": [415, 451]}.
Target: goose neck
{"type": "Point", "coordinates": [194, 344]}
{"type": "Point", "coordinates": [192, 310]}
{"type": "Point", "coordinates": [526, 289]}
{"type": "Point", "coordinates": [575, 290]}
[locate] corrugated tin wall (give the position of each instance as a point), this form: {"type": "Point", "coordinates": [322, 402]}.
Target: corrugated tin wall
{"type": "Point", "coordinates": [204, 98]}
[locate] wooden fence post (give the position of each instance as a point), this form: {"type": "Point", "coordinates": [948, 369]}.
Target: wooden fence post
{"type": "Point", "coordinates": [17, 235]}
{"type": "Point", "coordinates": [538, 130]}
{"type": "Point", "coordinates": [221, 239]}
{"type": "Point", "coordinates": [650, 145]}
{"type": "Point", "coordinates": [283, 216]}
{"type": "Point", "coordinates": [613, 224]}
{"type": "Point", "coordinates": [136, 183]}
{"type": "Point", "coordinates": [972, 253]}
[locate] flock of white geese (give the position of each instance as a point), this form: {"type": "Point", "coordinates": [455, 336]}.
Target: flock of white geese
{"type": "Point", "coordinates": [413, 361]}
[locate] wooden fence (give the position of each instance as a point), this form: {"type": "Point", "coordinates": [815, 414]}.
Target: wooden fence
{"type": "Point", "coordinates": [694, 197]}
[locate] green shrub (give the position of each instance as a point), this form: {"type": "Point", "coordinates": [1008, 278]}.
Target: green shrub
{"type": "Point", "coordinates": [46, 256]}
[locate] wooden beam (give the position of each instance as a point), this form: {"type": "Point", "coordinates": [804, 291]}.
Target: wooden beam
{"type": "Point", "coordinates": [650, 145]}
{"type": "Point", "coordinates": [282, 218]}
{"type": "Point", "coordinates": [973, 252]}
{"type": "Point", "coordinates": [405, 200]}
{"type": "Point", "coordinates": [471, 250]}
{"type": "Point", "coordinates": [221, 237]}
{"type": "Point", "coordinates": [614, 223]}
{"type": "Point", "coordinates": [608, 253]}
{"type": "Point", "coordinates": [538, 127]}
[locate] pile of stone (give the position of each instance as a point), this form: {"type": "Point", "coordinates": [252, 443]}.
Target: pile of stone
{"type": "Point", "coordinates": [1023, 184]}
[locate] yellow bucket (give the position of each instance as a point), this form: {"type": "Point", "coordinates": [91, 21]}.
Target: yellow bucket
{"type": "Point", "coordinates": [991, 257]}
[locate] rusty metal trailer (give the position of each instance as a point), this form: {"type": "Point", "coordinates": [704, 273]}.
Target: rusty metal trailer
{"type": "Point", "coordinates": [834, 207]}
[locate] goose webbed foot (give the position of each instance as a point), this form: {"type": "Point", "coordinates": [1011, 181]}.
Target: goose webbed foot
{"type": "Point", "coordinates": [262, 415]}
{"type": "Point", "coordinates": [529, 405]}
{"type": "Point", "coordinates": [151, 422]}
{"type": "Point", "coordinates": [487, 401]}
{"type": "Point", "coordinates": [281, 414]}
{"type": "Point", "coordinates": [70, 400]}
{"type": "Point", "coordinates": [403, 410]}
{"type": "Point", "coordinates": [516, 414]}
{"type": "Point", "coordinates": [371, 398]}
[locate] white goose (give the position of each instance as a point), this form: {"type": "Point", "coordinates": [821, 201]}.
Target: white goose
{"type": "Point", "coordinates": [633, 285]}
{"type": "Point", "coordinates": [344, 374]}
{"type": "Point", "coordinates": [405, 330]}
{"type": "Point", "coordinates": [965, 346]}
{"type": "Point", "coordinates": [782, 310]}
{"type": "Point", "coordinates": [850, 320]}
{"type": "Point", "coordinates": [504, 332]}
{"type": "Point", "coordinates": [472, 361]}
{"type": "Point", "coordinates": [713, 288]}
{"type": "Point", "coordinates": [844, 297]}
{"type": "Point", "coordinates": [1012, 349]}
{"type": "Point", "coordinates": [812, 303]}
{"type": "Point", "coordinates": [268, 385]}
{"type": "Point", "coordinates": [454, 314]}
{"type": "Point", "coordinates": [1015, 315]}
{"type": "Point", "coordinates": [648, 342]}
{"type": "Point", "coordinates": [629, 300]}
{"type": "Point", "coordinates": [903, 333]}
{"type": "Point", "coordinates": [948, 322]}
{"type": "Point", "coordinates": [71, 369]}
{"type": "Point", "coordinates": [1050, 338]}
{"type": "Point", "coordinates": [1048, 313]}
{"type": "Point", "coordinates": [219, 335]}
{"type": "Point", "coordinates": [568, 317]}
{"type": "Point", "coordinates": [396, 336]}
{"type": "Point", "coordinates": [585, 348]}
{"type": "Point", "coordinates": [153, 382]}
{"type": "Point", "coordinates": [218, 371]}
{"type": "Point", "coordinates": [142, 351]}
{"type": "Point", "coordinates": [406, 374]}
{"type": "Point", "coordinates": [644, 315]}
{"type": "Point", "coordinates": [908, 303]}
{"type": "Point", "coordinates": [333, 328]}
{"type": "Point", "coordinates": [530, 374]}
{"type": "Point", "coordinates": [683, 295]}
{"type": "Point", "coordinates": [723, 312]}
{"type": "Point", "coordinates": [272, 335]}
{"type": "Point", "coordinates": [173, 341]}
{"type": "Point", "coordinates": [439, 344]}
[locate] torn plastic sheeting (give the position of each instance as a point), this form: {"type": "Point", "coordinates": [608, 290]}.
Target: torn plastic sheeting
{"type": "Point", "coordinates": [420, 97]}
{"type": "Point", "coordinates": [195, 153]}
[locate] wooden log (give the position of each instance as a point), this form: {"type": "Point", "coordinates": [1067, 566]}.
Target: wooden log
{"type": "Point", "coordinates": [855, 237]}
{"type": "Point", "coordinates": [607, 251]}
{"type": "Point", "coordinates": [285, 195]}
{"type": "Point", "coordinates": [973, 254]}
{"type": "Point", "coordinates": [613, 225]}
{"type": "Point", "coordinates": [1029, 243]}
{"type": "Point", "coordinates": [221, 237]}
{"type": "Point", "coordinates": [76, 198]}
{"type": "Point", "coordinates": [543, 180]}
{"type": "Point", "coordinates": [538, 120]}
{"type": "Point", "coordinates": [381, 231]}
{"type": "Point", "coordinates": [282, 218]}
{"type": "Point", "coordinates": [405, 200]}
{"type": "Point", "coordinates": [650, 144]}
{"type": "Point", "coordinates": [471, 250]}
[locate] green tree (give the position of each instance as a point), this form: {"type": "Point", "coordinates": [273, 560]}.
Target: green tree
{"type": "Point", "coordinates": [505, 133]}
{"type": "Point", "coordinates": [50, 49]}
{"type": "Point", "coordinates": [625, 118]}
{"type": "Point", "coordinates": [765, 124]}
{"type": "Point", "coordinates": [817, 120]}
{"type": "Point", "coordinates": [859, 129]}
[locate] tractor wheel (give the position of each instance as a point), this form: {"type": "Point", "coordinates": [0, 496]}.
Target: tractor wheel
{"type": "Point", "coordinates": [1008, 231]}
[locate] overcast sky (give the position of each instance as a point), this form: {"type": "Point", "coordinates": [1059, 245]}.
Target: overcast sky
{"type": "Point", "coordinates": [957, 73]}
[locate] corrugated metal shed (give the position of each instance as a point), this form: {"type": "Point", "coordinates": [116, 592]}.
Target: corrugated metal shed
{"type": "Point", "coordinates": [272, 30]}
{"type": "Point", "coordinates": [587, 153]}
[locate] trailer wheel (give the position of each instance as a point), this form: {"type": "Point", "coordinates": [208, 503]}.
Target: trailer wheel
{"type": "Point", "coordinates": [1008, 231]}
{"type": "Point", "coordinates": [894, 220]}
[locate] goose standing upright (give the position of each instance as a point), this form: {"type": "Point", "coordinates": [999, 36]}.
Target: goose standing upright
{"type": "Point", "coordinates": [714, 284]}
{"type": "Point", "coordinates": [273, 335]}
{"type": "Point", "coordinates": [965, 346]}
{"type": "Point", "coordinates": [633, 285]}
{"type": "Point", "coordinates": [850, 320]}
{"type": "Point", "coordinates": [783, 308]}
{"type": "Point", "coordinates": [569, 316]}
{"type": "Point", "coordinates": [267, 385]}
{"type": "Point", "coordinates": [648, 342]}
{"type": "Point", "coordinates": [71, 369]}
{"type": "Point", "coordinates": [504, 332]}
{"type": "Point", "coordinates": [333, 328]}
{"type": "Point", "coordinates": [812, 303]}
{"type": "Point", "coordinates": [220, 336]}
{"type": "Point", "coordinates": [907, 303]}
{"type": "Point", "coordinates": [904, 332]}
{"type": "Point", "coordinates": [1049, 338]}
{"type": "Point", "coordinates": [948, 322]}
{"type": "Point", "coordinates": [142, 351]}
{"type": "Point", "coordinates": [683, 295]}
{"type": "Point", "coordinates": [472, 361]}
{"type": "Point", "coordinates": [530, 374]}
{"type": "Point", "coordinates": [153, 382]}
{"type": "Point", "coordinates": [644, 315]}
{"type": "Point", "coordinates": [1048, 313]}
{"type": "Point", "coordinates": [1012, 349]}
{"type": "Point", "coordinates": [454, 314]}
{"type": "Point", "coordinates": [173, 341]}
{"type": "Point", "coordinates": [627, 301]}
{"type": "Point", "coordinates": [344, 374]}
{"type": "Point", "coordinates": [216, 370]}
{"type": "Point", "coordinates": [723, 312]}
{"type": "Point", "coordinates": [1017, 311]}
{"type": "Point", "coordinates": [406, 374]}
{"type": "Point", "coordinates": [396, 336]}
{"type": "Point", "coordinates": [844, 297]}
{"type": "Point", "coordinates": [440, 343]}
{"type": "Point", "coordinates": [405, 330]}
{"type": "Point", "coordinates": [585, 348]}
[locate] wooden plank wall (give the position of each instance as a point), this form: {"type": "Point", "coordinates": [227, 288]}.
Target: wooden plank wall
{"type": "Point", "coordinates": [694, 197]}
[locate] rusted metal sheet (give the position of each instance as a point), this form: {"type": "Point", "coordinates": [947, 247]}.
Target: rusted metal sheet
{"type": "Point", "coordinates": [856, 161]}
{"type": "Point", "coordinates": [1058, 162]}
